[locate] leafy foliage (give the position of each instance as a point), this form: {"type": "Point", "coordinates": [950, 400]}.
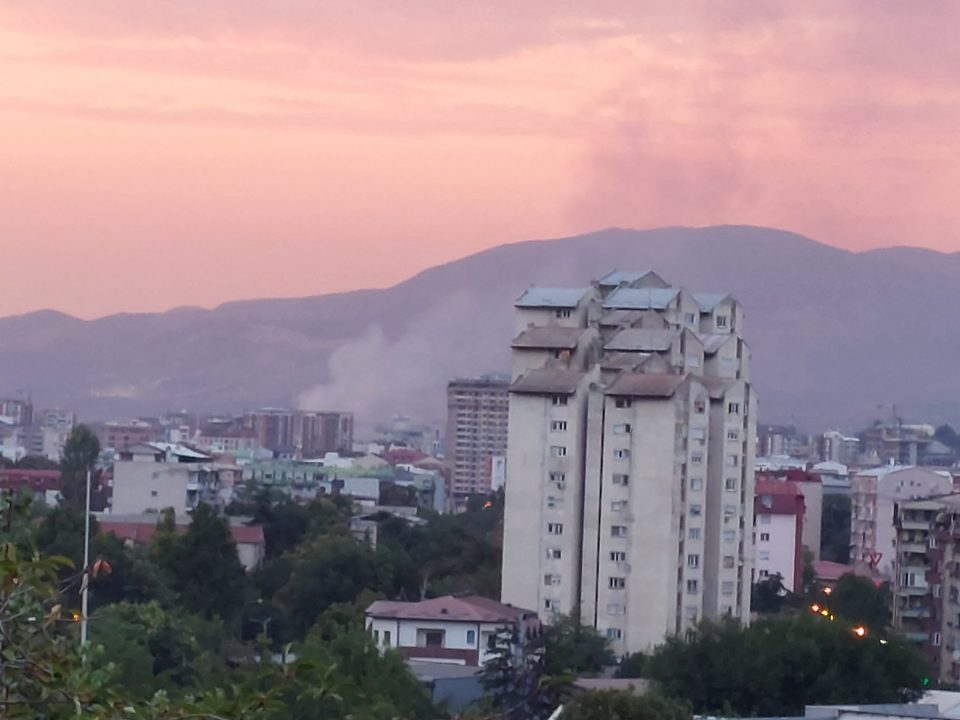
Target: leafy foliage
{"type": "Point", "coordinates": [777, 667]}
{"type": "Point", "coordinates": [572, 648]}
{"type": "Point", "coordinates": [623, 705]}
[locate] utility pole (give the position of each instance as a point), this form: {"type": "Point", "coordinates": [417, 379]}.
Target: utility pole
{"type": "Point", "coordinates": [85, 582]}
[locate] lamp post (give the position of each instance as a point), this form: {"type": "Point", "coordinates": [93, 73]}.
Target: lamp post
{"type": "Point", "coordinates": [85, 581]}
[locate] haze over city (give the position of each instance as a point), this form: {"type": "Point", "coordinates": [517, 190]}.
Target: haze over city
{"type": "Point", "coordinates": [157, 155]}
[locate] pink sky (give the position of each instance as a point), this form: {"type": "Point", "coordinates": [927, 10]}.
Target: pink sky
{"type": "Point", "coordinates": [181, 152]}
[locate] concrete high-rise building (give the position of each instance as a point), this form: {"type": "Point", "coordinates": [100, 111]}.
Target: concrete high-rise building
{"type": "Point", "coordinates": [476, 436]}
{"type": "Point", "coordinates": [630, 458]}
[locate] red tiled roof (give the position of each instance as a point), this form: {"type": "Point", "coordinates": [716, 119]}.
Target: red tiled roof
{"type": "Point", "coordinates": [471, 608]}
{"type": "Point", "coordinates": [832, 571]}
{"type": "Point", "coordinates": [142, 532]}
{"type": "Point", "coordinates": [15, 479]}
{"type": "Point", "coordinates": [784, 497]}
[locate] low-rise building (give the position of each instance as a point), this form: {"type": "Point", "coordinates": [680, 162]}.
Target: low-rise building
{"type": "Point", "coordinates": [809, 485]}
{"type": "Point", "coordinates": [778, 517]}
{"type": "Point", "coordinates": [138, 529]}
{"type": "Point", "coordinates": [150, 477]}
{"type": "Point", "coordinates": [456, 630]}
{"type": "Point", "coordinates": [44, 485]}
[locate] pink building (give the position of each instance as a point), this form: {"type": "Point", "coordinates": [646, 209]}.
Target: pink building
{"type": "Point", "coordinates": [778, 525]}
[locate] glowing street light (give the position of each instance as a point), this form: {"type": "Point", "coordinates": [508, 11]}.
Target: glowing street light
{"type": "Point", "coordinates": [860, 631]}
{"type": "Point", "coordinates": [815, 607]}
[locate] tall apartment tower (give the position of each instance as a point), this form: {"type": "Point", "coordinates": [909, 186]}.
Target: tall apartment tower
{"type": "Point", "coordinates": [476, 436]}
{"type": "Point", "coordinates": [630, 458]}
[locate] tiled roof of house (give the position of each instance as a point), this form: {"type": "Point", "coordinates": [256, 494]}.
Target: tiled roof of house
{"type": "Point", "coordinates": [16, 479]}
{"type": "Point", "coordinates": [708, 301]}
{"type": "Point", "coordinates": [777, 497]}
{"type": "Point", "coordinates": [560, 382]}
{"type": "Point", "coordinates": [540, 297]}
{"type": "Point", "coordinates": [471, 608]}
{"type": "Point", "coordinates": [140, 528]}
{"type": "Point", "coordinates": [645, 384]}
{"type": "Point", "coordinates": [550, 338]}
{"type": "Point", "coordinates": [641, 340]}
{"type": "Point", "coordinates": [627, 298]}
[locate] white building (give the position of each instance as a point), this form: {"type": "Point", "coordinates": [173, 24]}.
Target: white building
{"type": "Point", "coordinates": [629, 491]}
{"type": "Point", "coordinates": [153, 476]}
{"type": "Point", "coordinates": [779, 513]}
{"type": "Point", "coordinates": [873, 496]}
{"type": "Point", "coordinates": [455, 630]}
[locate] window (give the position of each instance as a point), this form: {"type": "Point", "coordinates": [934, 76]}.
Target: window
{"type": "Point", "coordinates": [618, 531]}
{"type": "Point", "coordinates": [729, 536]}
{"type": "Point", "coordinates": [721, 321]}
{"type": "Point", "coordinates": [618, 505]}
{"type": "Point", "coordinates": [696, 483]}
{"type": "Point", "coordinates": [764, 573]}
{"type": "Point", "coordinates": [690, 318]}
{"type": "Point", "coordinates": [726, 587]}
{"type": "Point", "coordinates": [551, 604]}
{"type": "Point", "coordinates": [699, 407]}
{"type": "Point", "coordinates": [621, 429]}
{"type": "Point", "coordinates": [696, 510]}
{"type": "Point", "coordinates": [693, 561]}
{"type": "Point", "coordinates": [690, 612]}
{"type": "Point", "coordinates": [764, 519]}
{"type": "Point", "coordinates": [558, 425]}
{"type": "Point", "coordinates": [614, 633]}
{"type": "Point", "coordinates": [471, 637]}
{"type": "Point", "coordinates": [935, 640]}
{"type": "Point", "coordinates": [733, 460]}
{"type": "Point", "coordinates": [733, 435]}
{"type": "Point", "coordinates": [729, 510]}
{"type": "Point", "coordinates": [621, 479]}
{"type": "Point", "coordinates": [555, 503]}
{"type": "Point", "coordinates": [550, 579]}
{"type": "Point", "coordinates": [553, 553]}
{"type": "Point", "coordinates": [430, 638]}
{"type": "Point", "coordinates": [154, 493]}
{"type": "Point", "coordinates": [733, 408]}
{"type": "Point", "coordinates": [555, 528]}
{"type": "Point", "coordinates": [696, 459]}
{"type": "Point", "coordinates": [558, 450]}
{"type": "Point", "coordinates": [729, 561]}
{"type": "Point", "coordinates": [764, 537]}
{"type": "Point", "coordinates": [730, 484]}
{"type": "Point", "coordinates": [558, 477]}
{"type": "Point", "coordinates": [564, 313]}
{"type": "Point", "coordinates": [614, 609]}
{"type": "Point", "coordinates": [618, 556]}
{"type": "Point", "coordinates": [376, 636]}
{"type": "Point", "coordinates": [693, 587]}
{"type": "Point", "coordinates": [763, 555]}
{"type": "Point", "coordinates": [617, 583]}
{"type": "Point", "coordinates": [623, 403]}
{"type": "Point", "coordinates": [559, 400]}
{"type": "Point", "coordinates": [621, 454]}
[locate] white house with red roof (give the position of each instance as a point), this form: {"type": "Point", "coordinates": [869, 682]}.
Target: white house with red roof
{"type": "Point", "coordinates": [455, 630]}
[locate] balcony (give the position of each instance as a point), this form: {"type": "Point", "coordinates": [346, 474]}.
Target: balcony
{"type": "Point", "coordinates": [915, 612]}
{"type": "Point", "coordinates": [913, 590]}
{"type": "Point", "coordinates": [914, 525]}
{"type": "Point", "coordinates": [920, 637]}
{"type": "Point", "coordinates": [913, 547]}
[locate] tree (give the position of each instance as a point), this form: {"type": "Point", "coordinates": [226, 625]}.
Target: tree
{"type": "Point", "coordinates": [515, 676]}
{"type": "Point", "coordinates": [202, 565]}
{"type": "Point", "coordinates": [574, 648]}
{"type": "Point", "coordinates": [835, 527]}
{"type": "Point", "coordinates": [36, 462]}
{"type": "Point", "coordinates": [633, 665]}
{"type": "Point", "coordinates": [623, 705]}
{"type": "Point", "coordinates": [858, 600]}
{"type": "Point", "coordinates": [79, 457]}
{"type": "Point", "coordinates": [767, 595]}
{"type": "Point", "coordinates": [778, 666]}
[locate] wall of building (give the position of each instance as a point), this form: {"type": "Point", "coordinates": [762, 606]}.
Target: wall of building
{"type": "Point", "coordinates": [147, 486]}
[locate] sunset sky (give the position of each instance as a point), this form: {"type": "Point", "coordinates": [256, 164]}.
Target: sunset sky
{"type": "Point", "coordinates": [180, 152]}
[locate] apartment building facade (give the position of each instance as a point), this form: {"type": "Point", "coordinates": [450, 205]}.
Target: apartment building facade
{"type": "Point", "coordinates": [301, 434]}
{"type": "Point", "coordinates": [874, 494]}
{"type": "Point", "coordinates": [630, 468]}
{"type": "Point", "coordinates": [476, 435]}
{"type": "Point", "coordinates": [926, 580]}
{"type": "Point", "coordinates": [151, 477]}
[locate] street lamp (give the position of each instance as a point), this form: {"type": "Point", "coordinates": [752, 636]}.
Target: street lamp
{"type": "Point", "coordinates": [85, 582]}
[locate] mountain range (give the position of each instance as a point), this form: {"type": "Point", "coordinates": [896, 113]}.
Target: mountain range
{"type": "Point", "coordinates": [838, 338]}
